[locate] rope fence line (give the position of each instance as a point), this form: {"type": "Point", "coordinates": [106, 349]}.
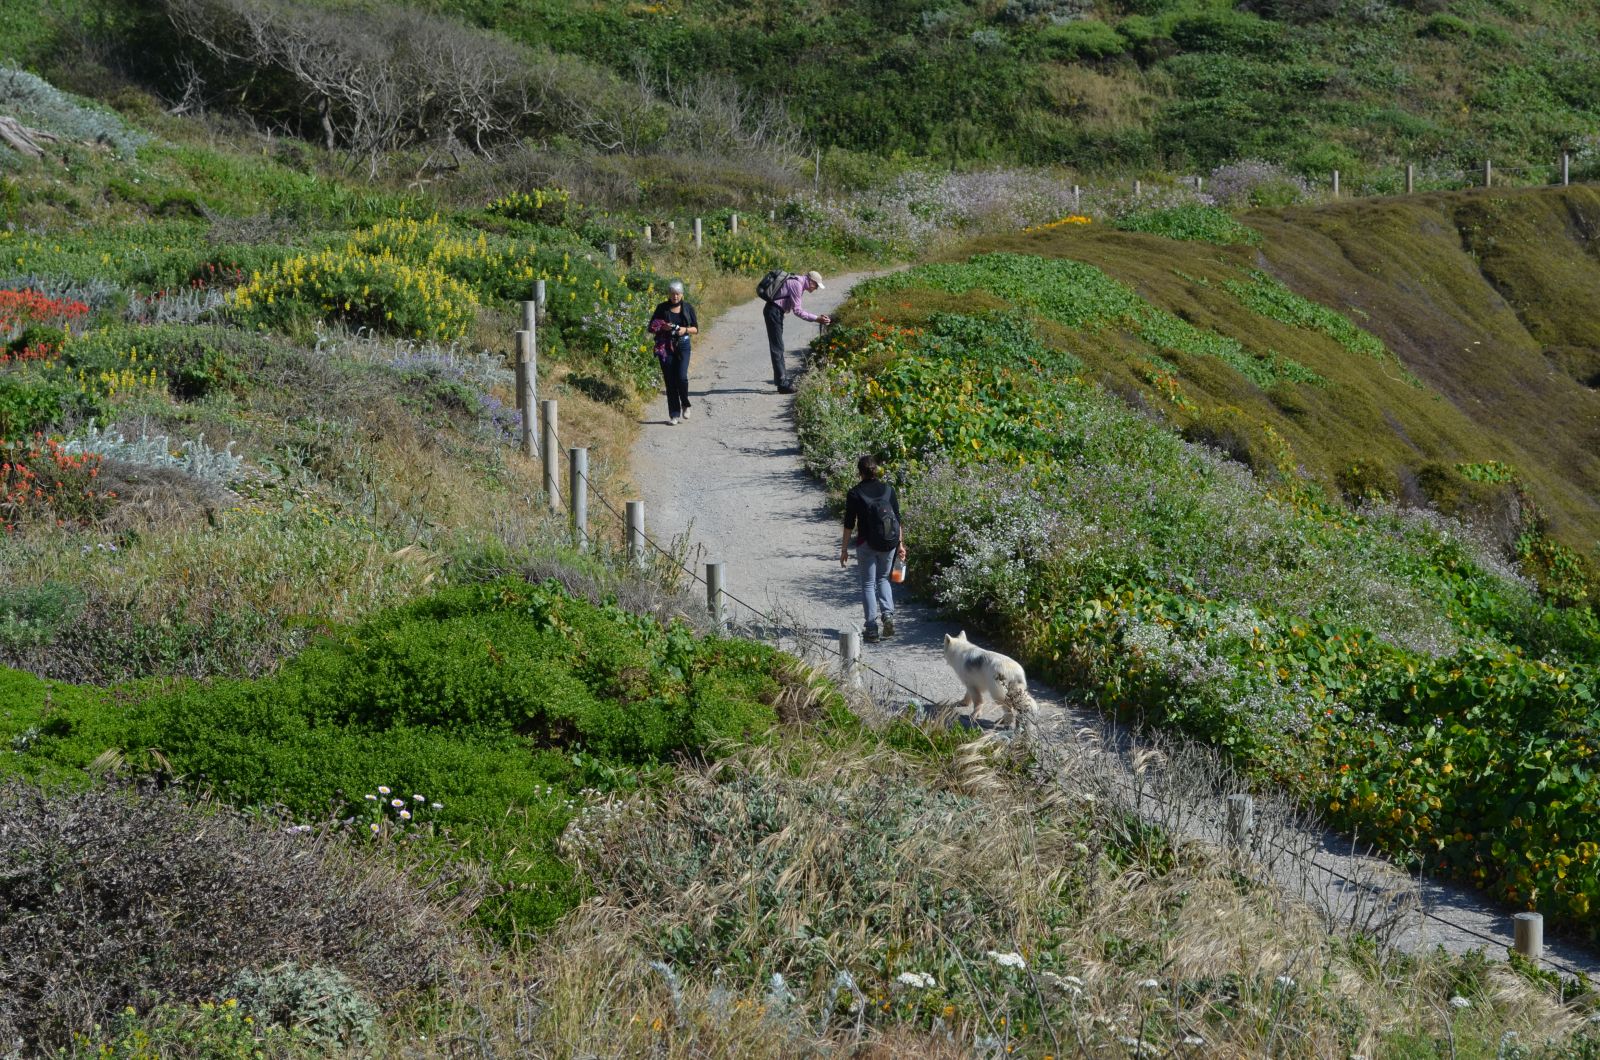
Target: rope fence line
{"type": "Point", "coordinates": [1417, 878]}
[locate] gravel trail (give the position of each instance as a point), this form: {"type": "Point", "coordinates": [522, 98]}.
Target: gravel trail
{"type": "Point", "coordinates": [731, 479]}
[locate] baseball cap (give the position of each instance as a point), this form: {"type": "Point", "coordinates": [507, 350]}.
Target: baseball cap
{"type": "Point", "coordinates": [815, 277]}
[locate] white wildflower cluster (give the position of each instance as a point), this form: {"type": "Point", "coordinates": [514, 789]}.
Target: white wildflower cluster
{"type": "Point", "coordinates": [1008, 960]}
{"type": "Point", "coordinates": [1069, 985]}
{"type": "Point", "coordinates": [392, 813]}
{"type": "Point", "coordinates": [589, 830]}
{"type": "Point", "coordinates": [194, 457]}
{"type": "Point", "coordinates": [917, 980]}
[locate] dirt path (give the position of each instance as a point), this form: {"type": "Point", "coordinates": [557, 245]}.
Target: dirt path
{"type": "Point", "coordinates": [731, 478]}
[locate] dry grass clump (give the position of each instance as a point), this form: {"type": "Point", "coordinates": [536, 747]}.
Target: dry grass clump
{"type": "Point", "coordinates": [859, 901]}
{"type": "Point", "coordinates": [117, 897]}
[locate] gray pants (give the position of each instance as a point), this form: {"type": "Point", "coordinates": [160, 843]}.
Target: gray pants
{"type": "Point", "coordinates": [773, 315]}
{"type": "Point", "coordinates": [872, 567]}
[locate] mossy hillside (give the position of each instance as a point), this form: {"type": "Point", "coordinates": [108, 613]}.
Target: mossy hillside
{"type": "Point", "coordinates": [1491, 298]}
{"type": "Point", "coordinates": [1461, 378]}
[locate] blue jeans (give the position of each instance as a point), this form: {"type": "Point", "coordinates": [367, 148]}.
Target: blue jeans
{"type": "Point", "coordinates": [675, 372]}
{"type": "Point", "coordinates": [873, 567]}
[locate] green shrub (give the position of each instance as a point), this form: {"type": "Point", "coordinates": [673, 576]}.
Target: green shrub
{"type": "Point", "coordinates": [481, 697]}
{"type": "Point", "coordinates": [192, 361]}
{"type": "Point", "coordinates": [209, 1029]}
{"type": "Point", "coordinates": [1446, 26]}
{"type": "Point", "coordinates": [33, 615]}
{"type": "Point", "coordinates": [29, 405]}
{"type": "Point", "coordinates": [1363, 479]}
{"type": "Point", "coordinates": [1205, 224]}
{"type": "Point", "coordinates": [1226, 31]}
{"type": "Point", "coordinates": [1085, 38]}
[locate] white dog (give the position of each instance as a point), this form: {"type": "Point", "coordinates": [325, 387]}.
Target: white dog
{"type": "Point", "coordinates": [983, 671]}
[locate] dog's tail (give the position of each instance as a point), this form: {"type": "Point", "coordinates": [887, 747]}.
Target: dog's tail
{"type": "Point", "coordinates": [1017, 696]}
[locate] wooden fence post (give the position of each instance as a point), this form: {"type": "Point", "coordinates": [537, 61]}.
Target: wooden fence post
{"type": "Point", "coordinates": [527, 376]}
{"type": "Point", "coordinates": [1241, 820]}
{"type": "Point", "coordinates": [733, 224]}
{"type": "Point", "coordinates": [552, 471]}
{"type": "Point", "coordinates": [1336, 184]}
{"type": "Point", "coordinates": [1411, 178]}
{"type": "Point", "coordinates": [1566, 168]}
{"type": "Point", "coordinates": [1528, 935]}
{"type": "Point", "coordinates": [714, 594]}
{"type": "Point", "coordinates": [649, 235]}
{"type": "Point", "coordinates": [1488, 173]}
{"type": "Point", "coordinates": [850, 657]}
{"type": "Point", "coordinates": [636, 546]}
{"type": "Point", "coordinates": [697, 234]}
{"type": "Point", "coordinates": [578, 492]}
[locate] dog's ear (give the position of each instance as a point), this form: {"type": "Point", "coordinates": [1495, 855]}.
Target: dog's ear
{"type": "Point", "coordinates": [963, 635]}
{"type": "Point", "coordinates": [947, 640]}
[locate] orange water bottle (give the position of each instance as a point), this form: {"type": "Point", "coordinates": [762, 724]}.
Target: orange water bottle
{"type": "Point", "coordinates": [897, 573]}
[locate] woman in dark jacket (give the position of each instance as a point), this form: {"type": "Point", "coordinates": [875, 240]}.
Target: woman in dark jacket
{"type": "Point", "coordinates": [672, 324]}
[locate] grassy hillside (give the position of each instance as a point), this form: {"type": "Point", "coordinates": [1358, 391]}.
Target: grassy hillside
{"type": "Point", "coordinates": [1171, 480]}
{"type": "Point", "coordinates": [1106, 86]}
{"type": "Point", "coordinates": [372, 763]}
{"type": "Point", "coordinates": [1119, 84]}
{"type": "Point", "coordinates": [1480, 344]}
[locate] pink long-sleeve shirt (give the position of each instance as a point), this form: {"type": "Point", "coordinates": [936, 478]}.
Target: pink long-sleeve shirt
{"type": "Point", "coordinates": [788, 300]}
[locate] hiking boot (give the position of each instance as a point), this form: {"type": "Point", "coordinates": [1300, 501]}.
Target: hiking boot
{"type": "Point", "coordinates": [870, 635]}
{"type": "Point", "coordinates": [887, 626]}
{"type": "Point", "coordinates": [785, 388]}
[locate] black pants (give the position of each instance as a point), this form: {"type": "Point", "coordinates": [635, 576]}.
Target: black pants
{"type": "Point", "coordinates": [773, 315]}
{"type": "Point", "coordinates": [675, 373]}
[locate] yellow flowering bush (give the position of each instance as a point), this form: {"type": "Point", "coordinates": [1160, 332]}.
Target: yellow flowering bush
{"type": "Point", "coordinates": [360, 289]}
{"type": "Point", "coordinates": [542, 205]}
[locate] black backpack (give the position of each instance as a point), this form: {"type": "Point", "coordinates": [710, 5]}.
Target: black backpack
{"type": "Point", "coordinates": [879, 525]}
{"type": "Point", "coordinates": [771, 285]}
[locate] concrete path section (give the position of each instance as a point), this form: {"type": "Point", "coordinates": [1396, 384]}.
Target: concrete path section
{"type": "Point", "coordinates": [731, 481]}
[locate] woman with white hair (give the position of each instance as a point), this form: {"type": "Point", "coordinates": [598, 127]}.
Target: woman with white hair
{"type": "Point", "coordinates": [672, 324]}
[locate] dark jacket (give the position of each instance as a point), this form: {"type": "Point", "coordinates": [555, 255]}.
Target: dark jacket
{"type": "Point", "coordinates": [858, 505]}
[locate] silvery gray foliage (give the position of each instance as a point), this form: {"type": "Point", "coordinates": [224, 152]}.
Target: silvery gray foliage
{"type": "Point", "coordinates": [186, 306]}
{"type": "Point", "coordinates": [34, 101]}
{"type": "Point", "coordinates": [93, 292]}
{"type": "Point", "coordinates": [318, 1001]}
{"type": "Point", "coordinates": [194, 457]}
{"type": "Point", "coordinates": [479, 368]}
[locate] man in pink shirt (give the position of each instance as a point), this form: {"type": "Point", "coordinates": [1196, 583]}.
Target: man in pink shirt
{"type": "Point", "coordinates": [788, 301]}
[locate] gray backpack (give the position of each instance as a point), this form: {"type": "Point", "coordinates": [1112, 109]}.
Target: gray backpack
{"type": "Point", "coordinates": [771, 285]}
